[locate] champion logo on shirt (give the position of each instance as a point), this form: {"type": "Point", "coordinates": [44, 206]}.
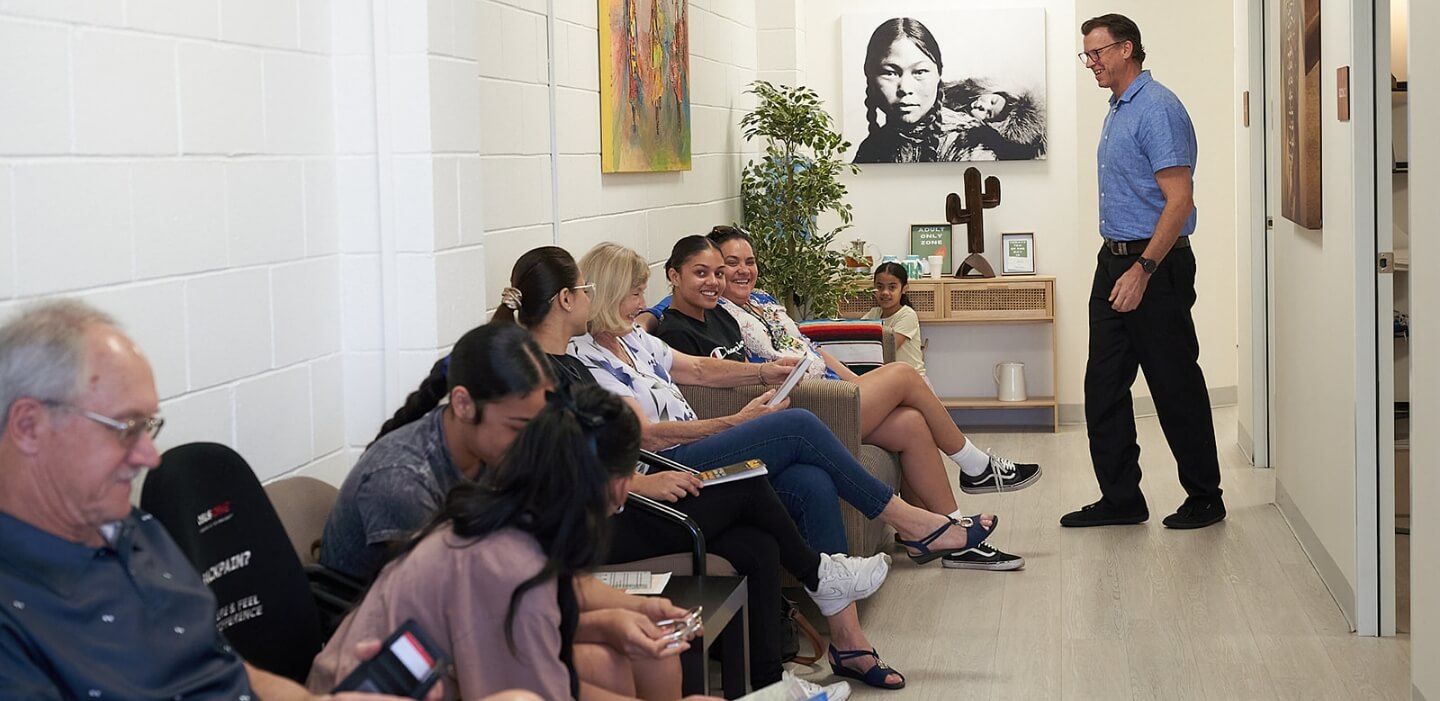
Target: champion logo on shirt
{"type": "Point", "coordinates": [734, 351]}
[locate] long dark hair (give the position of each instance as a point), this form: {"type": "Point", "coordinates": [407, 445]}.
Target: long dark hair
{"type": "Point", "coordinates": [553, 484]}
{"type": "Point", "coordinates": [538, 276]}
{"type": "Point", "coordinates": [686, 248]}
{"type": "Point", "coordinates": [491, 362]}
{"type": "Point", "coordinates": [900, 273]}
{"type": "Point", "coordinates": [888, 33]}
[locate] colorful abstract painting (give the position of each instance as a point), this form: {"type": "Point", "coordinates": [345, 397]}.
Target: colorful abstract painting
{"type": "Point", "coordinates": [644, 86]}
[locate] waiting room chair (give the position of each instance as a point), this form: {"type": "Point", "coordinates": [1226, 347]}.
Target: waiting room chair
{"type": "Point", "coordinates": [212, 504]}
{"type": "Point", "coordinates": [303, 505]}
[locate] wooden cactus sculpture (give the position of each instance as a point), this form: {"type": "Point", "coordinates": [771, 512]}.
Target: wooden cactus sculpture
{"type": "Point", "coordinates": [971, 213]}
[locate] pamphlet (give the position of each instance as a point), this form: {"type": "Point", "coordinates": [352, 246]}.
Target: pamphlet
{"type": "Point", "coordinates": [731, 473]}
{"type": "Point", "coordinates": [643, 583]}
{"type": "Point", "coordinates": [796, 375]}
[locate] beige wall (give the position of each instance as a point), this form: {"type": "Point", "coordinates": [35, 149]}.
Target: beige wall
{"type": "Point", "coordinates": [1313, 291]}
{"type": "Point", "coordinates": [1056, 197]}
{"type": "Point", "coordinates": [1425, 343]}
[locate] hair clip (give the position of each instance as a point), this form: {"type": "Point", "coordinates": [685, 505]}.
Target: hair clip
{"type": "Point", "coordinates": [563, 400]}
{"type": "Point", "coordinates": [510, 297]}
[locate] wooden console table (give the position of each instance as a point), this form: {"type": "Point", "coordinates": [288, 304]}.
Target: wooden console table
{"type": "Point", "coordinates": [1014, 300]}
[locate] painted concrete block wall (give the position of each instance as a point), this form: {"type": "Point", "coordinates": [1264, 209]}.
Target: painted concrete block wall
{"type": "Point", "coordinates": [173, 162]}
{"type": "Point", "coordinates": [645, 211]}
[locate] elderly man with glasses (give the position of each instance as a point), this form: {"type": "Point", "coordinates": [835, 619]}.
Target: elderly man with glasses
{"type": "Point", "coordinates": [1143, 290]}
{"type": "Point", "coordinates": [96, 600]}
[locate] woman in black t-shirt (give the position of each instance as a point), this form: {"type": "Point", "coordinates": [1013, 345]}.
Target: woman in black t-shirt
{"type": "Point", "coordinates": [693, 324]}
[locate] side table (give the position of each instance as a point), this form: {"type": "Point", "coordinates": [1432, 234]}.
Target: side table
{"type": "Point", "coordinates": [726, 623]}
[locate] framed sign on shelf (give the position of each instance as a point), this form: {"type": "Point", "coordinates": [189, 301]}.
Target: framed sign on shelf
{"type": "Point", "coordinates": [1019, 248]}
{"type": "Point", "coordinates": [931, 240]}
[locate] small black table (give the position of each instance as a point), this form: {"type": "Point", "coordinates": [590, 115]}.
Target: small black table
{"type": "Point", "coordinates": [726, 622]}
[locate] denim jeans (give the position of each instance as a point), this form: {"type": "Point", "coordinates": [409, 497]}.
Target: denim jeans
{"type": "Point", "coordinates": [808, 466]}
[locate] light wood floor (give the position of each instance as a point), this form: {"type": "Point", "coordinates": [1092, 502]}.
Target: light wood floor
{"type": "Point", "coordinates": [1234, 611]}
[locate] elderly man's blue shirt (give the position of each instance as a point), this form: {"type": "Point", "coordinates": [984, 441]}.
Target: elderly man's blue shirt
{"type": "Point", "coordinates": [127, 620]}
{"type": "Point", "coordinates": [1146, 130]}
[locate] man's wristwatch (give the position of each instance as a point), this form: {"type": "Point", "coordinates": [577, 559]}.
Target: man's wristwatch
{"type": "Point", "coordinates": [1149, 266]}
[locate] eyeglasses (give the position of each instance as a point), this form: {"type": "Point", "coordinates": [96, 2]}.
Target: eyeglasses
{"type": "Point", "coordinates": [588, 288]}
{"type": "Point", "coordinates": [1093, 55]}
{"type": "Point", "coordinates": [128, 431]}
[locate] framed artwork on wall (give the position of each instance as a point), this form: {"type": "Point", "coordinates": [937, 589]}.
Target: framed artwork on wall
{"type": "Point", "coordinates": [644, 86]}
{"type": "Point", "coordinates": [944, 85]}
{"type": "Point", "coordinates": [1300, 152]}
{"type": "Point", "coordinates": [1019, 250]}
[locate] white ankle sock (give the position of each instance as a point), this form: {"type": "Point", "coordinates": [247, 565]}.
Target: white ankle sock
{"type": "Point", "coordinates": [972, 460]}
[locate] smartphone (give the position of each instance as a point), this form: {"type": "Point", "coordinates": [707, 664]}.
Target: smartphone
{"type": "Point", "coordinates": [408, 664]}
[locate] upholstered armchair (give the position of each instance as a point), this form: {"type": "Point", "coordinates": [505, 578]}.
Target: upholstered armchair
{"type": "Point", "coordinates": [837, 404]}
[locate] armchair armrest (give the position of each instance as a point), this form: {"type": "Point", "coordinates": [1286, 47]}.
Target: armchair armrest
{"type": "Point", "coordinates": [666, 513]}
{"type": "Point", "coordinates": [664, 463]}
{"type": "Point", "coordinates": [835, 402]}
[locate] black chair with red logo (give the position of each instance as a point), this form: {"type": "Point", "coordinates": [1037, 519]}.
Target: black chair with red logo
{"type": "Point", "coordinates": [212, 504]}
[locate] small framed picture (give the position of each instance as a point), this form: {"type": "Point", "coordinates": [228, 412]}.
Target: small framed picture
{"type": "Point", "coordinates": [1019, 248]}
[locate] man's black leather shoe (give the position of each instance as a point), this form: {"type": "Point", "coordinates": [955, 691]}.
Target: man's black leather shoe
{"type": "Point", "coordinates": [1102, 513]}
{"type": "Point", "coordinates": [1196, 515]}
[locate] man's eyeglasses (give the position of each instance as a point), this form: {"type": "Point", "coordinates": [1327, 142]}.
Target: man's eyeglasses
{"type": "Point", "coordinates": [128, 431]}
{"type": "Point", "coordinates": [1093, 55]}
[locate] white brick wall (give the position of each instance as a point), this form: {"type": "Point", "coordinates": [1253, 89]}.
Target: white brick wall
{"type": "Point", "coordinates": [172, 162]}
{"type": "Point", "coordinates": [294, 242]}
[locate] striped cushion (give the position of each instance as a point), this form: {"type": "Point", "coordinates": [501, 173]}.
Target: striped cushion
{"type": "Point", "coordinates": [856, 343]}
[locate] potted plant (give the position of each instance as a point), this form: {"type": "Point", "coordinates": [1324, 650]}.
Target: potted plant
{"type": "Point", "coordinates": [784, 192]}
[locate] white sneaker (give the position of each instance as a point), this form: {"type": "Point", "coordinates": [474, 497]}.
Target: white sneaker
{"type": "Point", "coordinates": [839, 691]}
{"type": "Point", "coordinates": [845, 579]}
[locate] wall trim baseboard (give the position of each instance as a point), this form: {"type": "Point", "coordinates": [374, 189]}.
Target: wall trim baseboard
{"type": "Point", "coordinates": [1246, 443]}
{"type": "Point", "coordinates": [1330, 572]}
{"type": "Point", "coordinates": [1229, 395]}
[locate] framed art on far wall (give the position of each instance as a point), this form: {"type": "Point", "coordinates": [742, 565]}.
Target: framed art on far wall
{"type": "Point", "coordinates": [1019, 251]}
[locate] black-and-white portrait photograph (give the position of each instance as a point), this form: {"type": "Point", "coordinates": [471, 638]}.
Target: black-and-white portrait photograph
{"type": "Point", "coordinates": [944, 86]}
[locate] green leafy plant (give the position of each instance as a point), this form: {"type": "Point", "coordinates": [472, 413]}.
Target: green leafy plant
{"type": "Point", "coordinates": [795, 180]}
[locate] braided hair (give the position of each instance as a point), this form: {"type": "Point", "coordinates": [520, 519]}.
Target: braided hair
{"type": "Point", "coordinates": [888, 33]}
{"type": "Point", "coordinates": [491, 362]}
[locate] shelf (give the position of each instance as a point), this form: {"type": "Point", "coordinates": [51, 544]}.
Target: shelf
{"type": "Point", "coordinates": [972, 322]}
{"type": "Point", "coordinates": [993, 403]}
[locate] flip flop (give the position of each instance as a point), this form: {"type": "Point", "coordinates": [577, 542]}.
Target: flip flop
{"type": "Point", "coordinates": [975, 534]}
{"type": "Point", "coordinates": [875, 676]}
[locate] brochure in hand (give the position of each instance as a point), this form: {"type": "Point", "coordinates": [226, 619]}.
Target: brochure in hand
{"type": "Point", "coordinates": [730, 473]}
{"type": "Point", "coordinates": [796, 375]}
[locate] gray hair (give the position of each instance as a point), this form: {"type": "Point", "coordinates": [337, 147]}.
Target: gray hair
{"type": "Point", "coordinates": [43, 352]}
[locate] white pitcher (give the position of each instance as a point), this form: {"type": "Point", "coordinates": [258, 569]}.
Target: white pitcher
{"type": "Point", "coordinates": [1010, 382]}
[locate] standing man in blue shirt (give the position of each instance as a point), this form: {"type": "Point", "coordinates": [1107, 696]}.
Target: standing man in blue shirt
{"type": "Point", "coordinates": [1144, 289]}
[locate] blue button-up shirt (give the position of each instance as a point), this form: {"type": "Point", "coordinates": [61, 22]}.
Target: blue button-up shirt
{"type": "Point", "coordinates": [128, 620]}
{"type": "Point", "coordinates": [1146, 131]}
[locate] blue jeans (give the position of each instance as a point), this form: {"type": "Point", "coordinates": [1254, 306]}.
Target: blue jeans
{"type": "Point", "coordinates": [808, 466]}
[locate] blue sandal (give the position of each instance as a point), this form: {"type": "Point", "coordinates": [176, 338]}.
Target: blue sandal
{"type": "Point", "coordinates": [975, 534]}
{"type": "Point", "coordinates": [875, 676]}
